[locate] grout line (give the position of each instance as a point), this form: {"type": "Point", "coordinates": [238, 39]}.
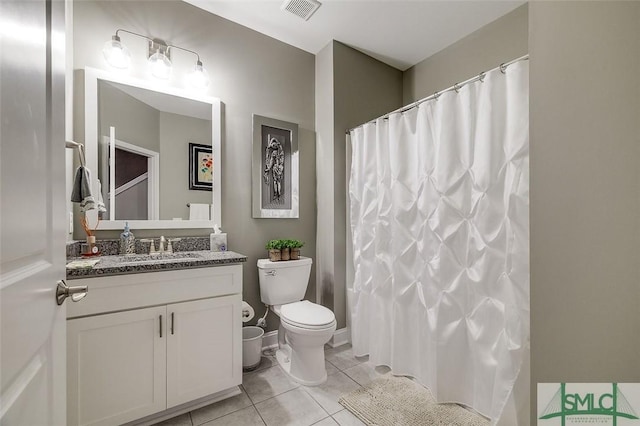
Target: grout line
{"type": "Point", "coordinates": [325, 358]}
{"type": "Point", "coordinates": [321, 420]}
{"type": "Point", "coordinates": [353, 380]}
{"type": "Point", "coordinates": [298, 386]}
{"type": "Point", "coordinates": [316, 401]}
{"type": "Point", "coordinates": [259, 415]}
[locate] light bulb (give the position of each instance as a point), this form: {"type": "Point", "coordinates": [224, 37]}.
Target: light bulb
{"type": "Point", "coordinates": [160, 65]}
{"type": "Point", "coordinates": [199, 77]}
{"type": "Point", "coordinates": [116, 54]}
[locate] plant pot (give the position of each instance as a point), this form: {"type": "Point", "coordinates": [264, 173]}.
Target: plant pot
{"type": "Point", "coordinates": [274, 255]}
{"type": "Point", "coordinates": [285, 254]}
{"type": "Point", "coordinates": [295, 254]}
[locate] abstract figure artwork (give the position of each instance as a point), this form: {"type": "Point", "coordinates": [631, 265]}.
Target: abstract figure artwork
{"type": "Point", "coordinates": [275, 168]}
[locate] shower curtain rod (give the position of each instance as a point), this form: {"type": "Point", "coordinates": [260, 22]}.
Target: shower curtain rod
{"type": "Point", "coordinates": [503, 67]}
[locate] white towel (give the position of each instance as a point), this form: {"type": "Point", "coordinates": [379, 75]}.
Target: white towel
{"type": "Point", "coordinates": [82, 263]}
{"type": "Point", "coordinates": [81, 192]}
{"type": "Point", "coordinates": [198, 211]}
{"type": "Point", "coordinates": [100, 202]}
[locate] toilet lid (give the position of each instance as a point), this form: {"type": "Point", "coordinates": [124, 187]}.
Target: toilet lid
{"type": "Point", "coordinates": [307, 314]}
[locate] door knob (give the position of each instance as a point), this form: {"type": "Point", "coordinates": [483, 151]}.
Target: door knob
{"type": "Point", "coordinates": [76, 293]}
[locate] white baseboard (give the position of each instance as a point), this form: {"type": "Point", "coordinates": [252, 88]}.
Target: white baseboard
{"type": "Point", "coordinates": [185, 408]}
{"type": "Point", "coordinates": [340, 337]}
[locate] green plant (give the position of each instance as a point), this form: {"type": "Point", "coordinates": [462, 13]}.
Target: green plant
{"type": "Point", "coordinates": [282, 244]}
{"type": "Point", "coordinates": [274, 245]}
{"type": "Point", "coordinates": [295, 244]}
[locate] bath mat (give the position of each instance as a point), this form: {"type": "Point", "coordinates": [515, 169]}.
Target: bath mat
{"type": "Point", "coordinates": [396, 401]}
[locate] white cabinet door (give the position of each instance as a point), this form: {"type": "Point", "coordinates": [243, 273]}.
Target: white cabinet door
{"type": "Point", "coordinates": [204, 344]}
{"type": "Point", "coordinates": [116, 366]}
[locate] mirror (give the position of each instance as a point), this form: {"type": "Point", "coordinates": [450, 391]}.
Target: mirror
{"type": "Point", "coordinates": [153, 152]}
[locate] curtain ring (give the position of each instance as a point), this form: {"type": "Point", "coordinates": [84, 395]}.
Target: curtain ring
{"type": "Point", "coordinates": [503, 68]}
{"type": "Point", "coordinates": [457, 88]}
{"type": "Point", "coordinates": [436, 95]}
{"type": "Point", "coordinates": [481, 77]}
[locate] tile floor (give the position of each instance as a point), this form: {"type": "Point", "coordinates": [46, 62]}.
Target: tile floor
{"type": "Point", "coordinates": [270, 398]}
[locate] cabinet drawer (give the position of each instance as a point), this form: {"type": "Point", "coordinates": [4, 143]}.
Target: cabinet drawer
{"type": "Point", "coordinates": [121, 292]}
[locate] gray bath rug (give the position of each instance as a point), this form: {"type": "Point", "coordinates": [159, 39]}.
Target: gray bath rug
{"type": "Point", "coordinates": [399, 401]}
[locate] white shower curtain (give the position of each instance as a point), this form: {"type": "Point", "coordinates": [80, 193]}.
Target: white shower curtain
{"type": "Point", "coordinates": [440, 229]}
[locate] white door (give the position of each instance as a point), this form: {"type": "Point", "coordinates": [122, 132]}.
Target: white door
{"type": "Point", "coordinates": [32, 211]}
{"type": "Point", "coordinates": [117, 366]}
{"type": "Point", "coordinates": [204, 343]}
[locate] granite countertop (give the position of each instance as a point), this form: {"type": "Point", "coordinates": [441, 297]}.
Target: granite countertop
{"type": "Point", "coordinates": [140, 263]}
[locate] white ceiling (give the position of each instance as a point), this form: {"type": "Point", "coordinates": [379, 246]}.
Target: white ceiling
{"type": "Point", "coordinates": [398, 32]}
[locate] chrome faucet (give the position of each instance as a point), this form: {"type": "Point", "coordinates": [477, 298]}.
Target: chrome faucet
{"type": "Point", "coordinates": [152, 247]}
{"type": "Point", "coordinates": [169, 246]}
{"type": "Point", "coordinates": [165, 245]}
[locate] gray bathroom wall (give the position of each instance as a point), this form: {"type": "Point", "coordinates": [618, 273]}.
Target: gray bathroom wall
{"type": "Point", "coordinates": [251, 74]}
{"type": "Point", "coordinates": [136, 122]}
{"type": "Point", "coordinates": [176, 132]}
{"type": "Point", "coordinates": [325, 171]}
{"type": "Point", "coordinates": [504, 39]}
{"type": "Point", "coordinates": [364, 88]}
{"type": "Point", "coordinates": [355, 88]}
{"type": "Point", "coordinates": [585, 192]}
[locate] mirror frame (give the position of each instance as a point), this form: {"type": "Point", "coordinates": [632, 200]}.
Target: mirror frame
{"type": "Point", "coordinates": [91, 77]}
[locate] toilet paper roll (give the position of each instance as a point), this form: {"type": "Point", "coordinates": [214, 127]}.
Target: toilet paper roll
{"type": "Point", "coordinates": [247, 312]}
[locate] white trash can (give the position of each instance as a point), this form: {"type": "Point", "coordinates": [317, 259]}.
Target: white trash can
{"type": "Point", "coordinates": [251, 347]}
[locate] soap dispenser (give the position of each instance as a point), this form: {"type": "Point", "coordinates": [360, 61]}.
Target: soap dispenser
{"type": "Point", "coordinates": [127, 241]}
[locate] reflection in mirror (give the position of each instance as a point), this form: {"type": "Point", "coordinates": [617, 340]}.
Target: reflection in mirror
{"type": "Point", "coordinates": [131, 176]}
{"type": "Point", "coordinates": [141, 152]}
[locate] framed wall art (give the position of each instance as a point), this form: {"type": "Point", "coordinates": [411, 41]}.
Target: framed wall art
{"type": "Point", "coordinates": [200, 167]}
{"type": "Point", "coordinates": [275, 168]}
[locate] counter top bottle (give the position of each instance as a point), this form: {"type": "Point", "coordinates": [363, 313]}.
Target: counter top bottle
{"type": "Point", "coordinates": [127, 241]}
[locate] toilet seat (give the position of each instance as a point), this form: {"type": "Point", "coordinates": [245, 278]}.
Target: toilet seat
{"type": "Point", "coordinates": [307, 315]}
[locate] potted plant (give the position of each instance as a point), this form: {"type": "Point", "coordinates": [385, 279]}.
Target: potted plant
{"type": "Point", "coordinates": [273, 246]}
{"type": "Point", "coordinates": [285, 253]}
{"type": "Point", "coordinates": [294, 246]}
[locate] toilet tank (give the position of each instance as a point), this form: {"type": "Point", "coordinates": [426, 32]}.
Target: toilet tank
{"type": "Point", "coordinates": [285, 281]}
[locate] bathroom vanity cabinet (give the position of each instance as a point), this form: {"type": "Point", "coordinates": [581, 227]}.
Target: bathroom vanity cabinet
{"type": "Point", "coordinates": [157, 342]}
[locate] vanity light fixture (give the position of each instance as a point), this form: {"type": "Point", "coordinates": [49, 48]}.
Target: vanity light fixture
{"type": "Point", "coordinates": [116, 54]}
{"type": "Point", "coordinates": [159, 59]}
{"type": "Point", "coordinates": [199, 77]}
{"type": "Point", "coordinates": [159, 54]}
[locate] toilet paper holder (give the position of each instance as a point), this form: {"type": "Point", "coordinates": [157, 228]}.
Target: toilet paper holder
{"type": "Point", "coordinates": [247, 312]}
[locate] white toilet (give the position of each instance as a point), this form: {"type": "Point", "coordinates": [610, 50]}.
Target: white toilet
{"type": "Point", "coordinates": [305, 327]}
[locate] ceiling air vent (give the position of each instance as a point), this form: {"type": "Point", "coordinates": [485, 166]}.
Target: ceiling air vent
{"type": "Point", "coordinates": [301, 8]}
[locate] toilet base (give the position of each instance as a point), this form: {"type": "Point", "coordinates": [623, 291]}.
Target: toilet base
{"type": "Point", "coordinates": [283, 355]}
